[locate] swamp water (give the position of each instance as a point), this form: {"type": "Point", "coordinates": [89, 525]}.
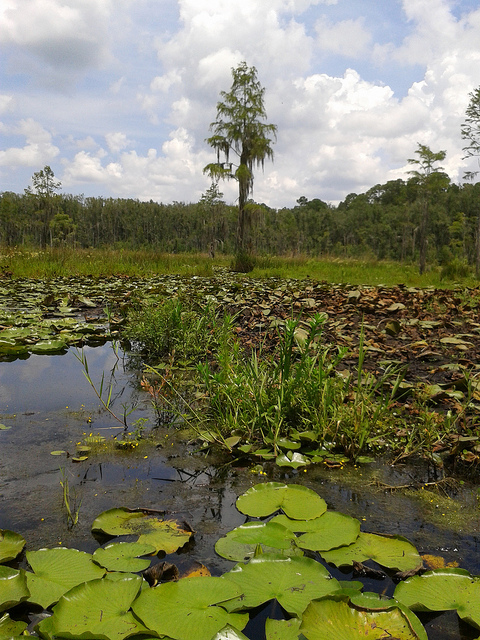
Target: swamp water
{"type": "Point", "coordinates": [48, 406]}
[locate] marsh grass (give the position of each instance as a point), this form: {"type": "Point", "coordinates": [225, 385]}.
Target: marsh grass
{"type": "Point", "coordinates": [25, 263]}
{"type": "Point", "coordinates": [174, 330]}
{"type": "Point", "coordinates": [267, 399]}
{"type": "Point", "coordinates": [69, 500]}
{"type": "Point", "coordinates": [294, 397]}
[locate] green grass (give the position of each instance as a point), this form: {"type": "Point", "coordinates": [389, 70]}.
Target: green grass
{"type": "Point", "coordinates": [25, 263]}
{"type": "Point", "coordinates": [356, 272]}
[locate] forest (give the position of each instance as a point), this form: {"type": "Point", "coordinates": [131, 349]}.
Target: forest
{"type": "Point", "coordinates": [382, 223]}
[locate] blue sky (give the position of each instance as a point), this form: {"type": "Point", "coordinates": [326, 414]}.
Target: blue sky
{"type": "Point", "coordinates": [117, 95]}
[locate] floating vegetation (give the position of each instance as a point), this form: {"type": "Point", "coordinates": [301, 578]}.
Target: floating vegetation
{"type": "Point", "coordinates": [121, 589]}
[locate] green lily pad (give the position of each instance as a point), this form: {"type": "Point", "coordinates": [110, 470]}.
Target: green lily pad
{"type": "Point", "coordinates": [123, 556]}
{"type": "Point", "coordinates": [229, 633]}
{"type": "Point", "coordinates": [282, 629]}
{"type": "Point", "coordinates": [331, 530]}
{"type": "Point", "coordinates": [10, 628]}
{"type": "Point", "coordinates": [443, 590]}
{"type": "Point", "coordinates": [335, 618]}
{"type": "Point", "coordinates": [292, 459]}
{"type": "Point", "coordinates": [13, 587]}
{"type": "Point", "coordinates": [289, 445]}
{"type": "Point", "coordinates": [293, 582]}
{"type": "Point", "coordinates": [375, 601]}
{"type": "Point", "coordinates": [149, 526]}
{"type": "Point", "coordinates": [394, 552]}
{"type": "Point", "coordinates": [96, 609]}
{"type": "Point", "coordinates": [11, 544]}
{"type": "Point", "coordinates": [242, 542]}
{"type": "Point", "coordinates": [48, 346]}
{"type": "Point", "coordinates": [56, 571]}
{"type": "Point", "coordinates": [296, 501]}
{"type": "Point", "coordinates": [187, 609]}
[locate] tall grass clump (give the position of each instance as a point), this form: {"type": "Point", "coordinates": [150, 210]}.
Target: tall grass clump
{"type": "Point", "coordinates": [296, 394]}
{"type": "Point", "coordinates": [170, 328]}
{"type": "Point", "coordinates": [264, 398]}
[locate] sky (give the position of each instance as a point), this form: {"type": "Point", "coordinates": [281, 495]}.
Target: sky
{"type": "Point", "coordinates": [117, 96]}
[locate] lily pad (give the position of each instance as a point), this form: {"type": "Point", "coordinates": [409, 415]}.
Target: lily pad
{"type": "Point", "coordinates": [13, 587]}
{"type": "Point", "coordinates": [123, 556]}
{"type": "Point", "coordinates": [11, 544]}
{"type": "Point", "coordinates": [443, 590]}
{"type": "Point", "coordinates": [149, 526]}
{"type": "Point", "coordinates": [96, 609]}
{"type": "Point", "coordinates": [375, 601]}
{"type": "Point", "coordinates": [296, 501]}
{"type": "Point", "coordinates": [187, 609]}
{"type": "Point", "coordinates": [335, 617]}
{"type": "Point", "coordinates": [292, 459]}
{"type": "Point", "coordinates": [48, 346]}
{"type": "Point", "coordinates": [394, 552]}
{"type": "Point", "coordinates": [332, 530]}
{"type": "Point", "coordinates": [282, 629]}
{"type": "Point", "coordinates": [229, 633]}
{"type": "Point", "coordinates": [10, 628]}
{"type": "Point", "coordinates": [56, 571]}
{"type": "Point", "coordinates": [242, 542]}
{"type": "Point", "coordinates": [293, 582]}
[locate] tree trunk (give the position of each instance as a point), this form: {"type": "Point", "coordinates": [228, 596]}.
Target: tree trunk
{"type": "Point", "coordinates": [423, 237]}
{"type": "Point", "coordinates": [477, 248]}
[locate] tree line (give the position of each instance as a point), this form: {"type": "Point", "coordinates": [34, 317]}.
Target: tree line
{"type": "Point", "coordinates": [385, 222]}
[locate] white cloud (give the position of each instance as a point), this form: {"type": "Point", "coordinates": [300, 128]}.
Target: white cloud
{"type": "Point", "coordinates": [53, 41]}
{"type": "Point", "coordinates": [37, 151]}
{"type": "Point", "coordinates": [117, 141]}
{"type": "Point", "coordinates": [174, 175]}
{"type": "Point", "coordinates": [7, 103]}
{"type": "Point", "coordinates": [348, 38]}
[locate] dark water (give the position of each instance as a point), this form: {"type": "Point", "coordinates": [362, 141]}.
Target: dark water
{"type": "Point", "coordinates": [50, 406]}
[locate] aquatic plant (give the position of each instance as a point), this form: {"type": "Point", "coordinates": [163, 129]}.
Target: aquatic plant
{"type": "Point", "coordinates": [105, 594]}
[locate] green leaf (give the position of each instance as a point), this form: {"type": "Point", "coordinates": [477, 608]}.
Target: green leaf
{"type": "Point", "coordinates": [374, 601]}
{"type": "Point", "coordinates": [48, 346]}
{"type": "Point", "coordinates": [282, 629]}
{"type": "Point", "coordinates": [56, 571]}
{"type": "Point", "coordinates": [4, 428]}
{"type": "Point", "coordinates": [123, 556]}
{"type": "Point", "coordinates": [293, 460]}
{"type": "Point", "coordinates": [332, 530]}
{"type": "Point", "coordinates": [94, 439]}
{"type": "Point", "coordinates": [13, 587]}
{"type": "Point", "coordinates": [394, 552]}
{"type": "Point", "coordinates": [443, 590]}
{"type": "Point", "coordinates": [96, 609]}
{"type": "Point", "coordinates": [164, 535]}
{"type": "Point", "coordinates": [229, 633]}
{"type": "Point", "coordinates": [187, 609]}
{"type": "Point", "coordinates": [11, 544]}
{"type": "Point", "coordinates": [241, 543]}
{"type": "Point", "coordinates": [293, 582]}
{"type": "Point", "coordinates": [10, 628]}
{"type": "Point", "coordinates": [335, 618]}
{"type": "Point", "coordinates": [295, 500]}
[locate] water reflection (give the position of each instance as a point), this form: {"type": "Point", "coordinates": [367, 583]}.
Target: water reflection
{"type": "Point", "coordinates": [51, 383]}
